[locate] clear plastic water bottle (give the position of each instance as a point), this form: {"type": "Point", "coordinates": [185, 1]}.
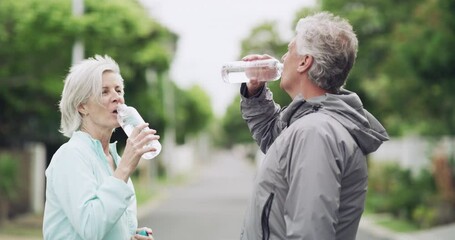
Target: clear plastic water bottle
{"type": "Point", "coordinates": [242, 71]}
{"type": "Point", "coordinates": [128, 118]}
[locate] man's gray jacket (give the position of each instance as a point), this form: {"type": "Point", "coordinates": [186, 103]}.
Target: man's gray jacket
{"type": "Point", "coordinates": [313, 179]}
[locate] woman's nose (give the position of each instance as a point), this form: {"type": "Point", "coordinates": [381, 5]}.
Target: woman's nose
{"type": "Point", "coordinates": [117, 97]}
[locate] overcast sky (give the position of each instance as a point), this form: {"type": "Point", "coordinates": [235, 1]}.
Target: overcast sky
{"type": "Point", "coordinates": [210, 32]}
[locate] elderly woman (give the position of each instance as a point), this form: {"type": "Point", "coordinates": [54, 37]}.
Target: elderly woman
{"type": "Point", "coordinates": [89, 192]}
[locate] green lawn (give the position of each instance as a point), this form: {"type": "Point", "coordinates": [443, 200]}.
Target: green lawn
{"type": "Point", "coordinates": [397, 225]}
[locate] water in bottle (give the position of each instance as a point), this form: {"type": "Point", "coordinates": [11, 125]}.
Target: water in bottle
{"type": "Point", "coordinates": [242, 71]}
{"type": "Point", "coordinates": [128, 118]}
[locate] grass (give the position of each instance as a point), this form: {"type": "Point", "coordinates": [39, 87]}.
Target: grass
{"type": "Point", "coordinates": [397, 225]}
{"type": "Point", "coordinates": [147, 190]}
{"type": "Point", "coordinates": [28, 227]}
{"type": "Point", "coordinates": [389, 222]}
{"type": "Point", "coordinates": [18, 230]}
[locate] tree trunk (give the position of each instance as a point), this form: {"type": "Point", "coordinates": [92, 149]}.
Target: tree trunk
{"type": "Point", "coordinates": [4, 208]}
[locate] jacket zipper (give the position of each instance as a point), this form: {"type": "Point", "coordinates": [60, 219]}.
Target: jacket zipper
{"type": "Point", "coordinates": [265, 217]}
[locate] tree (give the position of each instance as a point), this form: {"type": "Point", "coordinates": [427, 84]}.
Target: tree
{"type": "Point", "coordinates": [194, 112]}
{"type": "Point", "coordinates": [263, 39]}
{"type": "Point", "coordinates": [404, 69]}
{"type": "Point", "coordinates": [404, 66]}
{"type": "Point", "coordinates": [9, 169]}
{"type": "Point", "coordinates": [29, 75]}
{"type": "Point", "coordinates": [37, 37]}
{"type": "Point", "coordinates": [234, 128]}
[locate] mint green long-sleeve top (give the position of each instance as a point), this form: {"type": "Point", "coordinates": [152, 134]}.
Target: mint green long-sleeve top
{"type": "Point", "coordinates": [83, 198]}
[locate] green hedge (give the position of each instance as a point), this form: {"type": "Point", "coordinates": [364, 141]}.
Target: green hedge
{"type": "Point", "coordinates": [407, 196]}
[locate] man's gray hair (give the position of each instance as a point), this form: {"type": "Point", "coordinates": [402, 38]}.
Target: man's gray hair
{"type": "Point", "coordinates": [83, 81]}
{"type": "Point", "coordinates": [332, 43]}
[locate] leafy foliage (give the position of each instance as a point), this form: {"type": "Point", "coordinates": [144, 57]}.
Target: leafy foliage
{"type": "Point", "coordinates": [265, 39]}
{"type": "Point", "coordinates": [403, 72]}
{"type": "Point", "coordinates": [31, 77]}
{"type": "Point", "coordinates": [411, 197]}
{"type": "Point", "coordinates": [196, 114]}
{"type": "Point", "coordinates": [9, 169]}
{"type": "Point", "coordinates": [234, 128]}
{"type": "Point", "coordinates": [36, 39]}
{"type": "Point", "coordinates": [9, 181]}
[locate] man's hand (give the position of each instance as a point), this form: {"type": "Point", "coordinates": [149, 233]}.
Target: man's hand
{"type": "Point", "coordinates": [254, 85]}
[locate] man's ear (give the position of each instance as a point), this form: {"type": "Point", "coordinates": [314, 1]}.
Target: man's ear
{"type": "Point", "coordinates": [305, 63]}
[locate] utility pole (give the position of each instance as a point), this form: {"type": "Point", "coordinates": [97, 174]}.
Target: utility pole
{"type": "Point", "coordinates": [169, 144]}
{"type": "Point", "coordinates": [78, 47]}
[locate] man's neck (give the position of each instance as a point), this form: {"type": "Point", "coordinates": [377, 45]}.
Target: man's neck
{"type": "Point", "coordinates": [308, 90]}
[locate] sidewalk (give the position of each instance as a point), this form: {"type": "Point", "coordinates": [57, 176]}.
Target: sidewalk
{"type": "Point", "coordinates": [446, 232]}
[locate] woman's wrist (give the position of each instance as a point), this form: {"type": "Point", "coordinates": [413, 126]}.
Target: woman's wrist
{"type": "Point", "coordinates": [122, 173]}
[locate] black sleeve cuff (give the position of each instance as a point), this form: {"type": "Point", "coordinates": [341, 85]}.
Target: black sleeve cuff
{"type": "Point", "coordinates": [244, 91]}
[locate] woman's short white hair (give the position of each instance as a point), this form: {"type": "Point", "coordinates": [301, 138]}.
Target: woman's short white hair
{"type": "Point", "coordinates": [332, 43]}
{"type": "Point", "coordinates": [83, 81]}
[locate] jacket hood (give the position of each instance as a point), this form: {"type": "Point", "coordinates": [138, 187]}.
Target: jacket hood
{"type": "Point", "coordinates": [347, 108]}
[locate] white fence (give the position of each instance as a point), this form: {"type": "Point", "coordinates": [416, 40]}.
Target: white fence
{"type": "Point", "coordinates": [183, 158]}
{"type": "Point", "coordinates": [414, 152]}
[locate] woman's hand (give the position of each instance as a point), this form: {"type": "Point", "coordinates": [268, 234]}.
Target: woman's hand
{"type": "Point", "coordinates": [254, 75]}
{"type": "Point", "coordinates": [143, 234]}
{"type": "Point", "coordinates": [136, 146]}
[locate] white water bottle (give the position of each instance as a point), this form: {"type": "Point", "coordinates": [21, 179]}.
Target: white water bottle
{"type": "Point", "coordinates": [242, 71]}
{"type": "Point", "coordinates": [128, 118]}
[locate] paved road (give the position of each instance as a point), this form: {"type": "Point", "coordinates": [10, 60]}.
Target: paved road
{"type": "Point", "coordinates": [364, 235]}
{"type": "Point", "coordinates": [211, 206]}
